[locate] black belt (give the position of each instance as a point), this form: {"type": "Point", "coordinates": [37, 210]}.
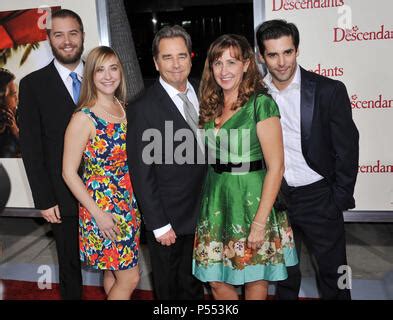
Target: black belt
{"type": "Point", "coordinates": [238, 167]}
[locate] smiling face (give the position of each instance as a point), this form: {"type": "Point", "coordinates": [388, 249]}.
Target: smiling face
{"type": "Point", "coordinates": [107, 76]}
{"type": "Point", "coordinates": [228, 71]}
{"type": "Point", "coordinates": [280, 59]}
{"type": "Point", "coordinates": [66, 41]}
{"type": "Point", "coordinates": [173, 62]}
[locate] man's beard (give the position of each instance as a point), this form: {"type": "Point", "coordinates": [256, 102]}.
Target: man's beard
{"type": "Point", "coordinates": [67, 60]}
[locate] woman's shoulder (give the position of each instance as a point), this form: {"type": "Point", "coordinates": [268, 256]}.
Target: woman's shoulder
{"type": "Point", "coordinates": [83, 116]}
{"type": "Point", "coordinates": [264, 106]}
{"type": "Point", "coordinates": [256, 100]}
{"type": "Point", "coordinates": [84, 110]}
{"type": "Point", "coordinates": [263, 97]}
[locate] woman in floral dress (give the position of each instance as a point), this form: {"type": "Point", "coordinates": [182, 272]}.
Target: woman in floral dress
{"type": "Point", "coordinates": [109, 220]}
{"type": "Point", "coordinates": [240, 239]}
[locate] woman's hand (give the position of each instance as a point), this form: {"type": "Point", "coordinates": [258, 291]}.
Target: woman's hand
{"type": "Point", "coordinates": [106, 222]}
{"type": "Point", "coordinates": [11, 122]}
{"type": "Point", "coordinates": [257, 236]}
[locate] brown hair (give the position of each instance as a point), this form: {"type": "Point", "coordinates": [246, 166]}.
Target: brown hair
{"type": "Point", "coordinates": [5, 78]}
{"type": "Point", "coordinates": [65, 13]}
{"type": "Point", "coordinates": [96, 58]}
{"type": "Point", "coordinates": [210, 93]}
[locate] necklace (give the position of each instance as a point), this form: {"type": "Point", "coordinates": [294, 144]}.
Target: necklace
{"type": "Point", "coordinates": [113, 116]}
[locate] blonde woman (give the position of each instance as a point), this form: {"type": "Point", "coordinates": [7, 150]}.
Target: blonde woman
{"type": "Point", "coordinates": [109, 220]}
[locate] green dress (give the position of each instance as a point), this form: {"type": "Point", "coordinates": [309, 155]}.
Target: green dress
{"type": "Point", "coordinates": [230, 202]}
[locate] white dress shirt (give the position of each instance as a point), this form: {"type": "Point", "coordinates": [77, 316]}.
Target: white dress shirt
{"type": "Point", "coordinates": [65, 74]}
{"type": "Point", "coordinates": [297, 172]}
{"type": "Point", "coordinates": [173, 94]}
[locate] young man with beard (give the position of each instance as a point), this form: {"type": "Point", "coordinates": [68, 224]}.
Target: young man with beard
{"type": "Point", "coordinates": [47, 100]}
{"type": "Point", "coordinates": [321, 146]}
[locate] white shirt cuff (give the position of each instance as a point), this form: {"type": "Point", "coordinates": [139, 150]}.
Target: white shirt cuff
{"type": "Point", "coordinates": [159, 232]}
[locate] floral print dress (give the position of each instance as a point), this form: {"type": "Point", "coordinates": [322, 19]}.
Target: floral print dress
{"type": "Point", "coordinates": [107, 179]}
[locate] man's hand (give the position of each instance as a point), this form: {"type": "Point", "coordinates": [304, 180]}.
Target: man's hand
{"type": "Point", "coordinates": [168, 238]}
{"type": "Point", "coordinates": [52, 215]}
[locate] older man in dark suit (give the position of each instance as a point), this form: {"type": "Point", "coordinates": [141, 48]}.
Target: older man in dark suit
{"type": "Point", "coordinates": [47, 100]}
{"type": "Point", "coordinates": [321, 145]}
{"type": "Point", "coordinates": [168, 184]}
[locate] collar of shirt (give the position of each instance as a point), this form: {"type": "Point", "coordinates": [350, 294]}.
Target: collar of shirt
{"type": "Point", "coordinates": [65, 72]}
{"type": "Point", "coordinates": [295, 84]}
{"type": "Point", "coordinates": [173, 94]}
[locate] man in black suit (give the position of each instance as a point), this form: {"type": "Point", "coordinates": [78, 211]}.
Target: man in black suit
{"type": "Point", "coordinates": [321, 145]}
{"type": "Point", "coordinates": [168, 182]}
{"type": "Point", "coordinates": [48, 99]}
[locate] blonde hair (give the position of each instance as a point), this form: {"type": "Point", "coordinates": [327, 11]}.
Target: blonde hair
{"type": "Point", "coordinates": [94, 60]}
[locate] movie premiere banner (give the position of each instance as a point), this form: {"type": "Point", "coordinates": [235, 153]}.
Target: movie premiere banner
{"type": "Point", "coordinates": [23, 49]}
{"type": "Point", "coordinates": [352, 41]}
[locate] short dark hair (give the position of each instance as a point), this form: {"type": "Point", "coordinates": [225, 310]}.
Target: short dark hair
{"type": "Point", "coordinates": [5, 78]}
{"type": "Point", "coordinates": [171, 32]}
{"type": "Point", "coordinates": [274, 29]}
{"type": "Point", "coordinates": [65, 13]}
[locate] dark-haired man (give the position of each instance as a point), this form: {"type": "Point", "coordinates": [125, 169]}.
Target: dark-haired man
{"type": "Point", "coordinates": [321, 145]}
{"type": "Point", "coordinates": [48, 98]}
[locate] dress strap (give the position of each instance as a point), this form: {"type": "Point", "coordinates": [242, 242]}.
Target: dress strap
{"type": "Point", "coordinates": [90, 114]}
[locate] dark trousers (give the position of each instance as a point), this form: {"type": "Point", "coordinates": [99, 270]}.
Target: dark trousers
{"type": "Point", "coordinates": [172, 269]}
{"type": "Point", "coordinates": [67, 244]}
{"type": "Point", "coordinates": [317, 222]}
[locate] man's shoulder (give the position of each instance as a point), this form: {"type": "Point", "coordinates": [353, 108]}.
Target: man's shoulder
{"type": "Point", "coordinates": [38, 74]}
{"type": "Point", "coordinates": [148, 95]}
{"type": "Point", "coordinates": [319, 79]}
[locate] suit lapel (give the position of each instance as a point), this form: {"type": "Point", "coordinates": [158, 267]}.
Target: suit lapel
{"type": "Point", "coordinates": [170, 107]}
{"type": "Point", "coordinates": [307, 104]}
{"type": "Point", "coordinates": [58, 89]}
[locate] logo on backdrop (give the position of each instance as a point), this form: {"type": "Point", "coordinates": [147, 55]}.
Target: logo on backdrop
{"type": "Point", "coordinates": [328, 72]}
{"type": "Point", "coordinates": [355, 34]}
{"type": "Point", "coordinates": [288, 5]}
{"type": "Point", "coordinates": [377, 167]}
{"type": "Point", "coordinates": [378, 103]}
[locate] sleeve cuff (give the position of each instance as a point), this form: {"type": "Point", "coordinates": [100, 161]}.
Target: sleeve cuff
{"type": "Point", "coordinates": [159, 232]}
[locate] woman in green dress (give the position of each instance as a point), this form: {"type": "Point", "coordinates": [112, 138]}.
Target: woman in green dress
{"type": "Point", "coordinates": [240, 238]}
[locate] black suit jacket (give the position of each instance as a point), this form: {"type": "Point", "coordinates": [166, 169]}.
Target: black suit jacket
{"type": "Point", "coordinates": [166, 192]}
{"type": "Point", "coordinates": [330, 139]}
{"type": "Point", "coordinates": [45, 108]}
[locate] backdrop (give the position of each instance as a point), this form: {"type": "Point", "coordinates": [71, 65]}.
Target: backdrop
{"type": "Point", "coordinates": [23, 49]}
{"type": "Point", "coordinates": [351, 41]}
